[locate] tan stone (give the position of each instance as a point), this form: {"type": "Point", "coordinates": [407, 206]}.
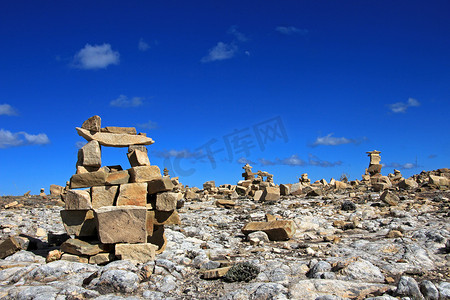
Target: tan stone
{"type": "Point", "coordinates": [141, 253]}
{"type": "Point", "coordinates": [90, 155]}
{"type": "Point", "coordinates": [102, 258]}
{"type": "Point", "coordinates": [114, 129]}
{"type": "Point", "coordinates": [114, 139]}
{"type": "Point", "coordinates": [86, 169]}
{"type": "Point", "coordinates": [8, 247]}
{"type": "Point", "coordinates": [88, 179]}
{"type": "Point", "coordinates": [74, 258]}
{"type": "Point", "coordinates": [279, 230]}
{"type": "Point", "coordinates": [132, 194]}
{"type": "Point", "coordinates": [241, 190]}
{"type": "Point", "coordinates": [166, 201]}
{"type": "Point", "coordinates": [162, 218]}
{"type": "Point", "coordinates": [190, 195]}
{"type": "Point", "coordinates": [339, 185]}
{"type": "Point", "coordinates": [390, 198]}
{"type": "Point", "coordinates": [270, 194]}
{"type": "Point", "coordinates": [160, 185]}
{"type": "Point", "coordinates": [408, 184]}
{"type": "Point", "coordinates": [79, 222]}
{"type": "Point", "coordinates": [296, 189]}
{"type": "Point", "coordinates": [77, 200]}
{"type": "Point", "coordinates": [56, 190]}
{"type": "Point", "coordinates": [158, 238]}
{"type": "Point", "coordinates": [257, 196]}
{"type": "Point", "coordinates": [215, 273]}
{"type": "Point", "coordinates": [438, 180]}
{"type": "Point", "coordinates": [285, 189]}
{"type": "Point", "coordinates": [225, 203]}
{"type": "Point", "coordinates": [117, 177]}
{"type": "Point", "coordinates": [94, 123]}
{"type": "Point", "coordinates": [144, 173]}
{"type": "Point", "coordinates": [53, 255]}
{"type": "Point", "coordinates": [392, 234]}
{"type": "Point", "coordinates": [121, 224]}
{"type": "Point", "coordinates": [11, 204]}
{"type": "Point", "coordinates": [103, 195]}
{"type": "Point", "coordinates": [79, 247]}
{"type": "Point", "coordinates": [138, 158]}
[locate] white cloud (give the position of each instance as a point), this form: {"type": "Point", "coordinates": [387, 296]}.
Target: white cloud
{"type": "Point", "coordinates": [290, 30]}
{"type": "Point", "coordinates": [96, 57]}
{"type": "Point", "coordinates": [237, 34]}
{"type": "Point", "coordinates": [221, 51]}
{"type": "Point", "coordinates": [295, 161]}
{"type": "Point", "coordinates": [178, 153]}
{"type": "Point", "coordinates": [143, 46]}
{"type": "Point", "coordinates": [124, 101]}
{"type": "Point", "coordinates": [7, 110]}
{"type": "Point", "coordinates": [401, 107]}
{"type": "Point", "coordinates": [396, 165]}
{"type": "Point", "coordinates": [330, 140]}
{"type": "Point", "coordinates": [244, 160]}
{"type": "Point", "coordinates": [148, 125]}
{"type": "Point", "coordinates": [9, 139]}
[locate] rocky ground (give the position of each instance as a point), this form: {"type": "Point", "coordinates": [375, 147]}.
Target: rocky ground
{"type": "Point", "coordinates": [346, 246]}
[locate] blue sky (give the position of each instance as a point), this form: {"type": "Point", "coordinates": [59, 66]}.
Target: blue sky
{"type": "Point", "coordinates": [291, 86]}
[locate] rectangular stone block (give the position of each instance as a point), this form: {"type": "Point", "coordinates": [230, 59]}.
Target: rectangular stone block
{"type": "Point", "coordinates": [132, 194]}
{"type": "Point", "coordinates": [115, 129]}
{"type": "Point", "coordinates": [163, 217]}
{"type": "Point", "coordinates": [138, 158]}
{"type": "Point", "coordinates": [166, 201]}
{"type": "Point", "coordinates": [121, 224]}
{"type": "Point", "coordinates": [279, 230]}
{"type": "Point", "coordinates": [79, 222]}
{"type": "Point", "coordinates": [8, 247]}
{"type": "Point", "coordinates": [77, 200]}
{"type": "Point", "coordinates": [103, 195]}
{"type": "Point", "coordinates": [144, 173]}
{"type": "Point", "coordinates": [101, 258]}
{"type": "Point", "coordinates": [90, 155]}
{"type": "Point", "coordinates": [88, 179]}
{"type": "Point", "coordinates": [160, 185]}
{"type": "Point", "coordinates": [270, 194]}
{"type": "Point", "coordinates": [79, 247]}
{"type": "Point", "coordinates": [141, 253]}
{"type": "Point", "coordinates": [117, 177]}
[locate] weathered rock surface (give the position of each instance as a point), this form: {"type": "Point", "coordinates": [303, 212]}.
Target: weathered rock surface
{"type": "Point", "coordinates": [114, 139]}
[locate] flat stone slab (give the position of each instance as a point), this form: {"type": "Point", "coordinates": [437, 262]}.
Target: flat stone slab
{"type": "Point", "coordinates": [8, 247]}
{"type": "Point", "coordinates": [79, 222]}
{"type": "Point", "coordinates": [114, 139]}
{"type": "Point", "coordinates": [79, 247]}
{"type": "Point", "coordinates": [141, 253]}
{"type": "Point", "coordinates": [121, 224]}
{"type": "Point", "coordinates": [279, 230]}
{"type": "Point", "coordinates": [84, 180]}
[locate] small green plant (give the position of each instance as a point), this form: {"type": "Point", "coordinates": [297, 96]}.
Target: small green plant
{"type": "Point", "coordinates": [243, 271]}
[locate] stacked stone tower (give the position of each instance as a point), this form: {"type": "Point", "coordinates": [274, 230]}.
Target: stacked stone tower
{"type": "Point", "coordinates": [119, 213]}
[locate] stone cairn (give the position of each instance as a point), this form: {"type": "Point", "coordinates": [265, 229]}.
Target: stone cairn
{"type": "Point", "coordinates": [115, 213]}
{"type": "Point", "coordinates": [258, 188]}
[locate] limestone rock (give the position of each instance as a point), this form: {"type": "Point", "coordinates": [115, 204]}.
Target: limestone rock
{"type": "Point", "coordinates": [77, 200]}
{"type": "Point", "coordinates": [225, 203]}
{"type": "Point", "coordinates": [132, 194]}
{"type": "Point", "coordinates": [257, 196]}
{"type": "Point", "coordinates": [8, 247]}
{"type": "Point", "coordinates": [103, 195]}
{"type": "Point", "coordinates": [101, 258]}
{"type": "Point", "coordinates": [279, 230]}
{"type": "Point", "coordinates": [117, 177]}
{"type": "Point", "coordinates": [408, 184]}
{"type": "Point", "coordinates": [79, 247]}
{"type": "Point", "coordinates": [158, 238]}
{"type": "Point", "coordinates": [163, 218]}
{"type": "Point", "coordinates": [74, 258]}
{"type": "Point", "coordinates": [389, 198]}
{"type": "Point", "coordinates": [56, 190]}
{"type": "Point", "coordinates": [79, 222]}
{"type": "Point", "coordinates": [94, 123]}
{"type": "Point", "coordinates": [215, 273]}
{"type": "Point", "coordinates": [90, 155]}
{"type": "Point", "coordinates": [166, 201]}
{"type": "Point", "coordinates": [296, 189]}
{"type": "Point", "coordinates": [138, 158]}
{"type": "Point", "coordinates": [141, 253]}
{"type": "Point", "coordinates": [144, 173]}
{"type": "Point", "coordinates": [115, 129]}
{"type": "Point", "coordinates": [121, 224]}
{"type": "Point", "coordinates": [88, 179]}
{"type": "Point", "coordinates": [160, 185]}
{"type": "Point", "coordinates": [285, 189]}
{"type": "Point", "coordinates": [438, 180]}
{"type": "Point", "coordinates": [270, 194]}
{"type": "Point", "coordinates": [114, 139]}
